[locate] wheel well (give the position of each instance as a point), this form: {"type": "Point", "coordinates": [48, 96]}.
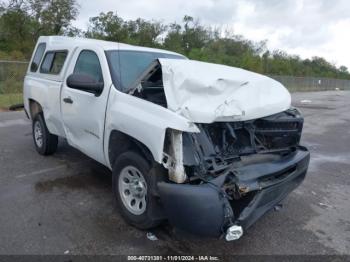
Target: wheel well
{"type": "Point", "coordinates": [120, 142]}
{"type": "Point", "coordinates": [34, 108]}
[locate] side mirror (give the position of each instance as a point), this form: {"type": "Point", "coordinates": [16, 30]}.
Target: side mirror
{"type": "Point", "coordinates": [85, 83]}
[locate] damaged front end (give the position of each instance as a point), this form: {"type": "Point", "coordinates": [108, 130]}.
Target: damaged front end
{"type": "Point", "coordinates": [241, 158]}
{"type": "Point", "coordinates": [234, 172]}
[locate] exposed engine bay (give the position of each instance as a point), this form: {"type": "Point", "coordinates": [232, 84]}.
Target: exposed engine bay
{"type": "Point", "coordinates": [235, 172]}
{"type": "Point", "coordinates": [227, 175]}
{"type": "Point", "coordinates": [223, 145]}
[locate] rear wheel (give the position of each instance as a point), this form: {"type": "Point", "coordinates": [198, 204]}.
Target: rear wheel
{"type": "Point", "coordinates": [132, 188]}
{"type": "Point", "coordinates": [45, 142]}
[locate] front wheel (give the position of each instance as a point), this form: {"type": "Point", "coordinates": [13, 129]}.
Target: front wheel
{"type": "Point", "coordinates": [132, 188]}
{"type": "Point", "coordinates": [45, 142]}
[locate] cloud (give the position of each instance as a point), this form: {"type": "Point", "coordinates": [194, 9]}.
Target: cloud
{"type": "Point", "coordinates": [303, 27]}
{"type": "Point", "coordinates": [306, 23]}
{"type": "Point", "coordinates": [209, 11]}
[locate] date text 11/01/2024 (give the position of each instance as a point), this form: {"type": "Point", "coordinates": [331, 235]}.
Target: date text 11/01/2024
{"type": "Point", "coordinates": [173, 258]}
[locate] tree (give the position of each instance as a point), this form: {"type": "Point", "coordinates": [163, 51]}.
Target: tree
{"type": "Point", "coordinates": [144, 32]}
{"type": "Point", "coordinates": [173, 39]}
{"type": "Point", "coordinates": [23, 21]}
{"type": "Point", "coordinates": [194, 34]}
{"type": "Point", "coordinates": [109, 26]}
{"type": "Point", "coordinates": [15, 27]}
{"type": "Point", "coordinates": [56, 15]}
{"type": "Point", "coordinates": [343, 69]}
{"type": "Point", "coordinates": [52, 17]}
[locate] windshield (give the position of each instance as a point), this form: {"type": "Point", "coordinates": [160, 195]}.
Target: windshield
{"type": "Point", "coordinates": [127, 66]}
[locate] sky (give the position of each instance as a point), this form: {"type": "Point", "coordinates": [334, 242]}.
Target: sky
{"type": "Point", "coordinates": [303, 27]}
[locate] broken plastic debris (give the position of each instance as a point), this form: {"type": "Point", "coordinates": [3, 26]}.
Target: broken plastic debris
{"type": "Point", "coordinates": [152, 236]}
{"type": "Point", "coordinates": [325, 205]}
{"type": "Point", "coordinates": [305, 101]}
{"type": "Point", "coordinates": [234, 233]}
{"type": "Point", "coordinates": [278, 207]}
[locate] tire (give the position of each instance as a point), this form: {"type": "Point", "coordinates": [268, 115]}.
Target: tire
{"type": "Point", "coordinates": [132, 163]}
{"type": "Point", "coordinates": [45, 142]}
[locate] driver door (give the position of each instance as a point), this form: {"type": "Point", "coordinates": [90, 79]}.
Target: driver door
{"type": "Point", "coordinates": [83, 112]}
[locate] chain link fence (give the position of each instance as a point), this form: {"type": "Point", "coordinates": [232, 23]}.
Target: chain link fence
{"type": "Point", "coordinates": [304, 84]}
{"type": "Point", "coordinates": [12, 74]}
{"type": "Point", "coordinates": [11, 82]}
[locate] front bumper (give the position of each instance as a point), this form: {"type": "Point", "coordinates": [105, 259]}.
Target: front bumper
{"type": "Point", "coordinates": [207, 210]}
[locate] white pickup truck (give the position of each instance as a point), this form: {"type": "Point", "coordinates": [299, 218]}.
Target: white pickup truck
{"type": "Point", "coordinates": [210, 148]}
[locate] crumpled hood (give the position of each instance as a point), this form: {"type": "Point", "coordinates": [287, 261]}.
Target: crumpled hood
{"type": "Point", "coordinates": [205, 92]}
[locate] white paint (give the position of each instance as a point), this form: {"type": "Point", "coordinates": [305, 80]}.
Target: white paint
{"type": "Point", "coordinates": [144, 121]}
{"type": "Point", "coordinates": [195, 92]}
{"type": "Point", "coordinates": [205, 92]}
{"type": "Point", "coordinates": [84, 119]}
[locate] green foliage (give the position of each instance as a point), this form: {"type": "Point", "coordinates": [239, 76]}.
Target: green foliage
{"type": "Point", "coordinates": [7, 100]}
{"type": "Point", "coordinates": [11, 77]}
{"type": "Point", "coordinates": [111, 27]}
{"type": "Point", "coordinates": [23, 21]}
{"type": "Point", "coordinates": [11, 83]}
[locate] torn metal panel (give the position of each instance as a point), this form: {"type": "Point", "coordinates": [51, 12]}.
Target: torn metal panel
{"type": "Point", "coordinates": [237, 171]}
{"type": "Point", "coordinates": [146, 122]}
{"type": "Point", "coordinates": [205, 92]}
{"type": "Point", "coordinates": [224, 94]}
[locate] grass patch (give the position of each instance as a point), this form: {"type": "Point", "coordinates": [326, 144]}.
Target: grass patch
{"type": "Point", "coordinates": [7, 100]}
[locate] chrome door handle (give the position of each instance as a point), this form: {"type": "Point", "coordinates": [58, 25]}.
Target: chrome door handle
{"type": "Point", "coordinates": [68, 100]}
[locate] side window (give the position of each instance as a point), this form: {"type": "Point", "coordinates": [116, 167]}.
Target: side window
{"type": "Point", "coordinates": [89, 64]}
{"type": "Point", "coordinates": [53, 62]}
{"type": "Point", "coordinates": [37, 57]}
{"type": "Point", "coordinates": [46, 64]}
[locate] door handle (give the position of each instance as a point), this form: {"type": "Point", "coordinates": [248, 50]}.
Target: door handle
{"type": "Point", "coordinates": [68, 100]}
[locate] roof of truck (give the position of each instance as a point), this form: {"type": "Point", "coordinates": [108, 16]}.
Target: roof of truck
{"type": "Point", "coordinates": [65, 42]}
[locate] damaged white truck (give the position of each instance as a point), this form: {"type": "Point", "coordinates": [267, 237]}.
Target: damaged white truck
{"type": "Point", "coordinates": [208, 147]}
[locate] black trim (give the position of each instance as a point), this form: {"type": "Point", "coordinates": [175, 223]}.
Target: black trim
{"type": "Point", "coordinates": [76, 61]}
{"type": "Point", "coordinates": [53, 59]}
{"type": "Point", "coordinates": [206, 209]}
{"type": "Point", "coordinates": [35, 66]}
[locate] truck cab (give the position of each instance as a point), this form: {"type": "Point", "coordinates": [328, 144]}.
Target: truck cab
{"type": "Point", "coordinates": [210, 148]}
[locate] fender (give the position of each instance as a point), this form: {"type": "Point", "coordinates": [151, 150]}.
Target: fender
{"type": "Point", "coordinates": [142, 120]}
